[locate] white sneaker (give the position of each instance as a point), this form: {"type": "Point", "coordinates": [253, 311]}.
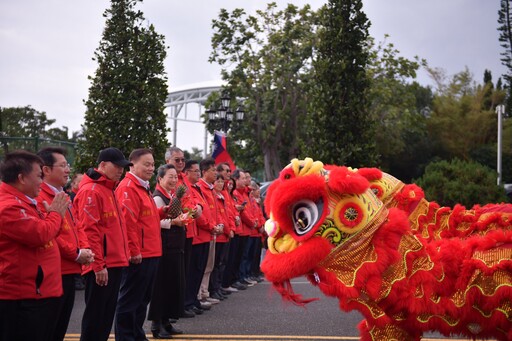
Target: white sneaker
{"type": "Point", "coordinates": [250, 281]}
{"type": "Point", "coordinates": [205, 304]}
{"type": "Point", "coordinates": [230, 289]}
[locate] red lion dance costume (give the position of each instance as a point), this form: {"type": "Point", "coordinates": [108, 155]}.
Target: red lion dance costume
{"type": "Point", "coordinates": [451, 272]}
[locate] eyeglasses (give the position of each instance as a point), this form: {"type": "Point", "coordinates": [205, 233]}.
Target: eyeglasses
{"type": "Point", "coordinates": [62, 165]}
{"type": "Point", "coordinates": [179, 159]}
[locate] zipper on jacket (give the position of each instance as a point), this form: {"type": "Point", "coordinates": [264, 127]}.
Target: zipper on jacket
{"type": "Point", "coordinates": [72, 228]}
{"type": "Point", "coordinates": [120, 222]}
{"type": "Point", "coordinates": [39, 279]}
{"type": "Point", "coordinates": [142, 232]}
{"type": "Point", "coordinates": [105, 246]}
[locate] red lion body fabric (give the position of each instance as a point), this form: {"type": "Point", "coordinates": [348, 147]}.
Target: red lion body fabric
{"type": "Point", "coordinates": [328, 224]}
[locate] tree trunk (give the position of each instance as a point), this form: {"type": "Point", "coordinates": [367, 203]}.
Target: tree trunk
{"type": "Point", "coordinates": [272, 163]}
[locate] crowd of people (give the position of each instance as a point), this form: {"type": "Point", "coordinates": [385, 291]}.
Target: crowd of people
{"type": "Point", "coordinates": [161, 254]}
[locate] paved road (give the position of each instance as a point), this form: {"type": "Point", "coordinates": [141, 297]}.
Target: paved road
{"type": "Point", "coordinates": [259, 314]}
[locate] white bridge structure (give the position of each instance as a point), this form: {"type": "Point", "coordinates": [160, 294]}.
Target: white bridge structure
{"type": "Point", "coordinates": [177, 108]}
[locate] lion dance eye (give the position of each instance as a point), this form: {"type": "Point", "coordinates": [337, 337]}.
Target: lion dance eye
{"type": "Point", "coordinates": [305, 215]}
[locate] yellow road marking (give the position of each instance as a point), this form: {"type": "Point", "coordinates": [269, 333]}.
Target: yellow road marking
{"type": "Point", "coordinates": [194, 337]}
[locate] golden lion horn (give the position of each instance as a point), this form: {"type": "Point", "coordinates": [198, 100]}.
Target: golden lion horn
{"type": "Point", "coordinates": [306, 166]}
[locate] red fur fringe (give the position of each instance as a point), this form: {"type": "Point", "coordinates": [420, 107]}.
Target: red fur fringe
{"type": "Point", "coordinates": [281, 267]}
{"type": "Point", "coordinates": [310, 187]}
{"type": "Point", "coordinates": [342, 180]}
{"type": "Point", "coordinates": [285, 289]}
{"type": "Point", "coordinates": [370, 173]}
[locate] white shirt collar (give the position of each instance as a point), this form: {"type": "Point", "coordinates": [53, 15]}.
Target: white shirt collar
{"type": "Point", "coordinates": [32, 200]}
{"type": "Point", "coordinates": [54, 189]}
{"type": "Point", "coordinates": [144, 183]}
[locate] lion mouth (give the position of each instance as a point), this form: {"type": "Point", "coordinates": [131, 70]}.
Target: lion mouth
{"type": "Point", "coordinates": [300, 260]}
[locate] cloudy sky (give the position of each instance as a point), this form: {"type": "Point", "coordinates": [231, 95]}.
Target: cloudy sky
{"type": "Point", "coordinates": [47, 46]}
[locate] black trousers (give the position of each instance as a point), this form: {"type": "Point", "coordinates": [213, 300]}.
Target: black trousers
{"type": "Point", "coordinates": [134, 296]}
{"type": "Point", "coordinates": [188, 252]}
{"type": "Point", "coordinates": [255, 267]}
{"type": "Point", "coordinates": [198, 261]}
{"type": "Point", "coordinates": [33, 320]}
{"type": "Point", "coordinates": [238, 257]}
{"type": "Point", "coordinates": [65, 308]}
{"type": "Point", "coordinates": [168, 296]}
{"type": "Point", "coordinates": [221, 256]}
{"type": "Point", "coordinates": [100, 306]}
{"type": "Point", "coordinates": [229, 274]}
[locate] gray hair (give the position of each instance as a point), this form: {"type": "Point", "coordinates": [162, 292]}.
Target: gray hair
{"type": "Point", "coordinates": [170, 151]}
{"type": "Point", "coordinates": [160, 173]}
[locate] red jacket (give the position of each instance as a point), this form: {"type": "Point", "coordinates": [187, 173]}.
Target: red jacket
{"type": "Point", "coordinates": [222, 216]}
{"type": "Point", "coordinates": [232, 211]}
{"type": "Point", "coordinates": [142, 217]}
{"type": "Point", "coordinates": [241, 196]}
{"type": "Point", "coordinates": [190, 203]}
{"type": "Point", "coordinates": [29, 255]}
{"type": "Point", "coordinates": [257, 213]}
{"type": "Point", "coordinates": [100, 214]}
{"type": "Point", "coordinates": [204, 222]}
{"type": "Point", "coordinates": [70, 239]}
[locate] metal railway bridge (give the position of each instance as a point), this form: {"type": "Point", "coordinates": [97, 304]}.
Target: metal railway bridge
{"type": "Point", "coordinates": [177, 105]}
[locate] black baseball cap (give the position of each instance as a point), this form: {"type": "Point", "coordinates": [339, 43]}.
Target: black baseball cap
{"type": "Point", "coordinates": [115, 156]}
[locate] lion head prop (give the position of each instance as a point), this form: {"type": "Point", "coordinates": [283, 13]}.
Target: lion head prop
{"type": "Point", "coordinates": [328, 223]}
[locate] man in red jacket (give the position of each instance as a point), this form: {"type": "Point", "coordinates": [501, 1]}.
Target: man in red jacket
{"type": "Point", "coordinates": [201, 242]}
{"type": "Point", "coordinates": [242, 203]}
{"type": "Point", "coordinates": [30, 271]}
{"type": "Point", "coordinates": [143, 225]}
{"type": "Point", "coordinates": [217, 223]}
{"type": "Point", "coordinates": [100, 214]}
{"type": "Point", "coordinates": [72, 241]}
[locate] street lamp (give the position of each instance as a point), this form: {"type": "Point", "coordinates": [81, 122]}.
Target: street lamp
{"type": "Point", "coordinates": [500, 110]}
{"type": "Point", "coordinates": [224, 115]}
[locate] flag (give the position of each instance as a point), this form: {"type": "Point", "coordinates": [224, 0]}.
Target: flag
{"type": "Point", "coordinates": [220, 152]}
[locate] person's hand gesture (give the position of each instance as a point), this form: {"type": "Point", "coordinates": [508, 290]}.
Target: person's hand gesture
{"type": "Point", "coordinates": [86, 257]}
{"type": "Point", "coordinates": [59, 204]}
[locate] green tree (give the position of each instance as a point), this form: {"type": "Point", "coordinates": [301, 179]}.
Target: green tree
{"type": "Point", "coordinates": [27, 128]}
{"type": "Point", "coordinates": [341, 128]}
{"type": "Point", "coordinates": [460, 182]}
{"type": "Point", "coordinates": [488, 90]}
{"type": "Point", "coordinates": [125, 107]}
{"type": "Point", "coordinates": [410, 161]}
{"type": "Point", "coordinates": [505, 38]}
{"type": "Point", "coordinates": [459, 121]}
{"type": "Point", "coordinates": [392, 101]}
{"type": "Point", "coordinates": [266, 60]}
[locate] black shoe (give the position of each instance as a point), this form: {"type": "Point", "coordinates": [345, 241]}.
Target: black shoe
{"type": "Point", "coordinates": [197, 311]}
{"type": "Point", "coordinates": [171, 330]}
{"type": "Point", "coordinates": [159, 331]}
{"type": "Point", "coordinates": [225, 292]}
{"type": "Point", "coordinates": [246, 283]}
{"type": "Point", "coordinates": [239, 286]}
{"type": "Point", "coordinates": [218, 296]}
{"type": "Point", "coordinates": [188, 313]}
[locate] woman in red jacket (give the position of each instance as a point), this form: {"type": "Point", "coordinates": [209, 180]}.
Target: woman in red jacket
{"type": "Point", "coordinates": [224, 218]}
{"type": "Point", "coordinates": [168, 297]}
